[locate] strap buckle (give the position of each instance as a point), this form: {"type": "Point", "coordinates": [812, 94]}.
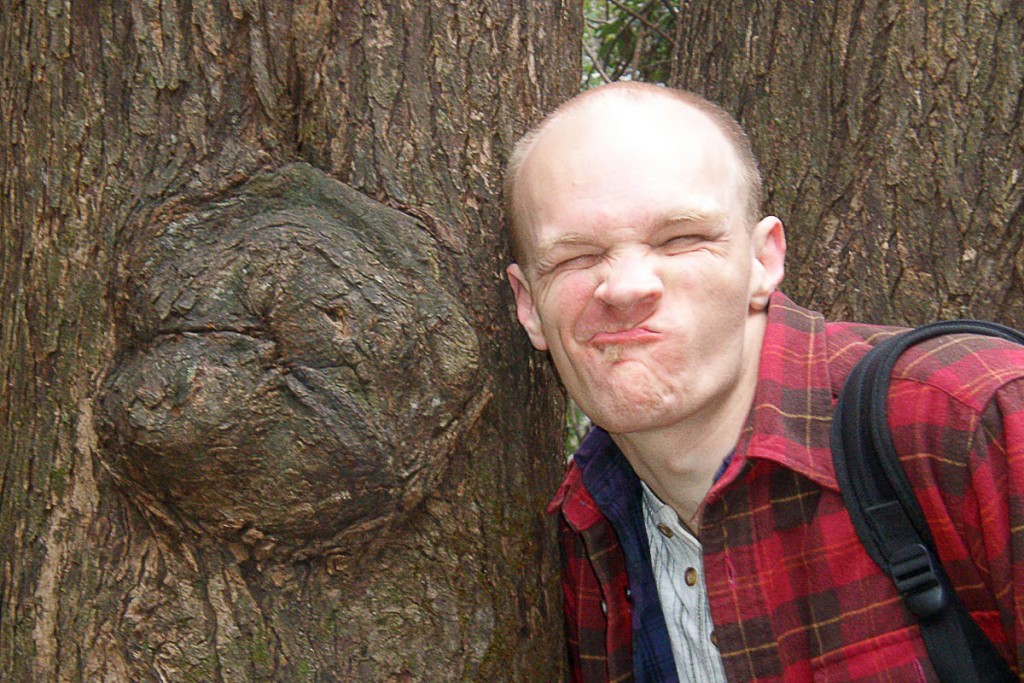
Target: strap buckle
{"type": "Point", "coordinates": [913, 570]}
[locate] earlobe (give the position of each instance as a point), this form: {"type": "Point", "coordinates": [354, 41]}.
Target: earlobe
{"type": "Point", "coordinates": [526, 310]}
{"type": "Point", "coordinates": [769, 245]}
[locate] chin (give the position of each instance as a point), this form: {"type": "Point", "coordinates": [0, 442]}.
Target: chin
{"type": "Point", "coordinates": [627, 417]}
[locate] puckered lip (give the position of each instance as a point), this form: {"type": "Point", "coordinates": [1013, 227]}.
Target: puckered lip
{"type": "Point", "coordinates": [634, 335]}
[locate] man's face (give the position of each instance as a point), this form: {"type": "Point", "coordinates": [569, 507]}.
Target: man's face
{"type": "Point", "coordinates": [644, 280]}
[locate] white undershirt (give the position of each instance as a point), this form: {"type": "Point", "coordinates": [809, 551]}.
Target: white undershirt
{"type": "Point", "coordinates": [679, 575]}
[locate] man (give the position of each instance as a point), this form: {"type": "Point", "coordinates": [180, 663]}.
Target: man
{"type": "Point", "coordinates": [704, 537]}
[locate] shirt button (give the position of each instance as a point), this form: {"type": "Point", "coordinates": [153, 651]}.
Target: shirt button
{"type": "Point", "coordinates": [690, 576]}
{"type": "Point", "coordinates": [714, 638]}
{"type": "Point", "coordinates": [665, 531]}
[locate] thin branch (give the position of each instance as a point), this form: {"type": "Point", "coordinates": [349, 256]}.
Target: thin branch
{"type": "Point", "coordinates": [677, 47]}
{"type": "Point", "coordinates": [596, 61]}
{"type": "Point", "coordinates": [643, 20]}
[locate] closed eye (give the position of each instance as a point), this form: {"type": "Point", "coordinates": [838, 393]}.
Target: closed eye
{"type": "Point", "coordinates": [567, 261]}
{"type": "Point", "coordinates": [681, 243]}
{"type": "Point", "coordinates": [578, 261]}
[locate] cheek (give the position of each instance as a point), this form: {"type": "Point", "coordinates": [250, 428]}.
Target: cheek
{"type": "Point", "coordinates": [709, 280]}
{"type": "Point", "coordinates": [711, 301]}
{"type": "Point", "coordinates": [567, 301]}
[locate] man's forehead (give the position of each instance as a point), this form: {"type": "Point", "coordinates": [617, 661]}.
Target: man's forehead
{"type": "Point", "coordinates": [588, 141]}
{"type": "Point", "coordinates": [593, 137]}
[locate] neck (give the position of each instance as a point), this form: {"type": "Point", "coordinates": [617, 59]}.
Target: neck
{"type": "Point", "coordinates": [679, 464]}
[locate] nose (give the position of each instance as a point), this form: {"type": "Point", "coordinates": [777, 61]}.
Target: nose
{"type": "Point", "coordinates": [629, 281]}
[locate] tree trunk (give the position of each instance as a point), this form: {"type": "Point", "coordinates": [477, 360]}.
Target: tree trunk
{"type": "Point", "coordinates": [266, 412]}
{"type": "Point", "coordinates": [891, 140]}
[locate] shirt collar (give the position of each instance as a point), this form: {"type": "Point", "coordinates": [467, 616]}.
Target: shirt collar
{"type": "Point", "coordinates": [607, 474]}
{"type": "Point", "coordinates": [599, 484]}
{"type": "Point", "coordinates": [790, 420]}
{"type": "Point", "coordinates": [652, 503]}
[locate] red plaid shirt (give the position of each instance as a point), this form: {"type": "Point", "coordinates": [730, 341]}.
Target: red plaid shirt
{"type": "Point", "coordinates": [793, 594]}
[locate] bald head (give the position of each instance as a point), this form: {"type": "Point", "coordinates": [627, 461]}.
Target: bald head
{"type": "Point", "coordinates": [647, 113]}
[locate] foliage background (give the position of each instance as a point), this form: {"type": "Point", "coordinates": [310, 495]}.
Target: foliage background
{"type": "Point", "coordinates": [629, 40]}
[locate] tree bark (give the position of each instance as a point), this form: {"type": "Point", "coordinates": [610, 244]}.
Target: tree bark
{"type": "Point", "coordinates": [891, 141]}
{"type": "Point", "coordinates": [266, 413]}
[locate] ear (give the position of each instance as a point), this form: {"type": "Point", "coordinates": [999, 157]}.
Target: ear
{"type": "Point", "coordinates": [526, 311]}
{"type": "Point", "coordinates": [768, 241]}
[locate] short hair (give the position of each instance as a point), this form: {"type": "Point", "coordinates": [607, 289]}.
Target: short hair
{"type": "Point", "coordinates": [750, 189]}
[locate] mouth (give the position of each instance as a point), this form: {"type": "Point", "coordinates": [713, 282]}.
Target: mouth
{"type": "Point", "coordinates": [634, 335]}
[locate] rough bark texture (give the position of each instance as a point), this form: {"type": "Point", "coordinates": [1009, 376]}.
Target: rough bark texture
{"type": "Point", "coordinates": [266, 413]}
{"type": "Point", "coordinates": [892, 144]}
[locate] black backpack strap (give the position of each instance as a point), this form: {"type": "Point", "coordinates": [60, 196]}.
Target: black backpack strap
{"type": "Point", "coordinates": [889, 519]}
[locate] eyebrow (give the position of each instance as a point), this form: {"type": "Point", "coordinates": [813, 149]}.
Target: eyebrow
{"type": "Point", "coordinates": [568, 240]}
{"type": "Point", "coordinates": [696, 215]}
